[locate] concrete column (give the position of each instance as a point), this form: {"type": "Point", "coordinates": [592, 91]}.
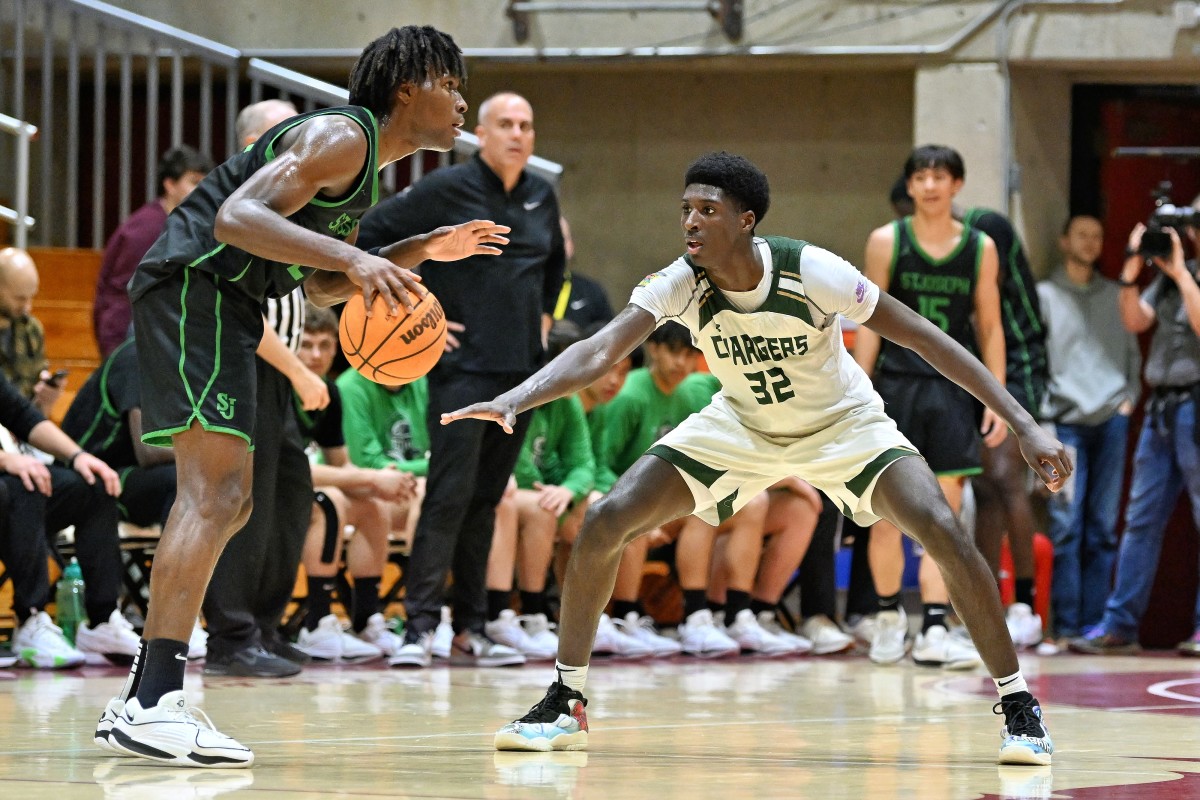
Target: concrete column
{"type": "Point", "coordinates": [962, 105]}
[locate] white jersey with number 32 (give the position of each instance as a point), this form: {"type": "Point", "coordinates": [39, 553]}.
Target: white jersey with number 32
{"type": "Point", "coordinates": [783, 369]}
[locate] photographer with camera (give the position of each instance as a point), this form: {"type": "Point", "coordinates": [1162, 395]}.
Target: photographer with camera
{"type": "Point", "coordinates": [1167, 458]}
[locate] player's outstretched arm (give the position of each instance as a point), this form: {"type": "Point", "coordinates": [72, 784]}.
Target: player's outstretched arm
{"type": "Point", "coordinates": [898, 323]}
{"type": "Point", "coordinates": [579, 365]}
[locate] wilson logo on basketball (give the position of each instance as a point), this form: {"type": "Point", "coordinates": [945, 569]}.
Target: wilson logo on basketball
{"type": "Point", "coordinates": [430, 321]}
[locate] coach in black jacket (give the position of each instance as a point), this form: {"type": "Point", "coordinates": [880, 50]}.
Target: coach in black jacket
{"type": "Point", "coordinates": [504, 303]}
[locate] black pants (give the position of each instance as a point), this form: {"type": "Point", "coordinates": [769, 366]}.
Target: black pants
{"type": "Point", "coordinates": [29, 521]}
{"type": "Point", "coordinates": [254, 577]}
{"type": "Point", "coordinates": [147, 494]}
{"type": "Point", "coordinates": [469, 466]}
{"type": "Point", "coordinates": [818, 580]}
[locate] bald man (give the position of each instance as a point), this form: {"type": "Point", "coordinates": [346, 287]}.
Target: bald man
{"type": "Point", "coordinates": [22, 340]}
{"type": "Point", "coordinates": [501, 344]}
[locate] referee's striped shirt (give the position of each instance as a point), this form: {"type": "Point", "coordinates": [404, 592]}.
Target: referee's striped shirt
{"type": "Point", "coordinates": [285, 315]}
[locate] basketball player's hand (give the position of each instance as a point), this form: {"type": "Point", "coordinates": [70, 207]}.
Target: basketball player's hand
{"type": "Point", "coordinates": [34, 475]}
{"type": "Point", "coordinates": [1047, 456]}
{"type": "Point", "coordinates": [993, 428]}
{"type": "Point", "coordinates": [91, 468]}
{"type": "Point", "coordinates": [479, 237]}
{"type": "Point", "coordinates": [378, 276]}
{"type": "Point", "coordinates": [555, 499]}
{"type": "Point", "coordinates": [452, 328]}
{"type": "Point", "coordinates": [501, 414]}
{"type": "Point", "coordinates": [311, 389]}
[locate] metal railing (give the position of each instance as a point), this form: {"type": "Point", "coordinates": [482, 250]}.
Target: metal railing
{"type": "Point", "coordinates": [19, 217]}
{"type": "Point", "coordinates": [148, 60]}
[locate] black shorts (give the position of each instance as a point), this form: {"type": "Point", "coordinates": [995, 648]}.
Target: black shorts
{"type": "Point", "coordinates": [938, 417]}
{"type": "Point", "coordinates": [196, 344]}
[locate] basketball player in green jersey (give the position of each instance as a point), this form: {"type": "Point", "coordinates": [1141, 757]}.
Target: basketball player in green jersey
{"type": "Point", "coordinates": [947, 273]}
{"type": "Point", "coordinates": [765, 312]}
{"type": "Point", "coordinates": [280, 213]}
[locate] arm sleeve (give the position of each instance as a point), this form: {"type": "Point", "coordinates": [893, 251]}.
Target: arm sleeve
{"type": "Point", "coordinates": [576, 449]}
{"type": "Point", "coordinates": [328, 433]}
{"type": "Point", "coordinates": [834, 286]}
{"type": "Point", "coordinates": [666, 293]}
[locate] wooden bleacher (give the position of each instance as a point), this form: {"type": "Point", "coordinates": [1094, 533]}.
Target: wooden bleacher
{"type": "Point", "coordinates": [64, 306]}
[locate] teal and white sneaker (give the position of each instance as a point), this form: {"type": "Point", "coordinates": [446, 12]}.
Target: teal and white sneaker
{"type": "Point", "coordinates": [1026, 739]}
{"type": "Point", "coordinates": [558, 722]}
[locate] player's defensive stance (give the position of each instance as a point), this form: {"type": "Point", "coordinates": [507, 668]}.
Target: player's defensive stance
{"type": "Point", "coordinates": [765, 312]}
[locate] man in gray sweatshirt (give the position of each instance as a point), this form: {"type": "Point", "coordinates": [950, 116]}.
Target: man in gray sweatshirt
{"type": "Point", "coordinates": [1093, 386]}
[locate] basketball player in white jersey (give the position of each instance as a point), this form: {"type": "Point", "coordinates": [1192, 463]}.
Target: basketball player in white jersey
{"type": "Point", "coordinates": [765, 312]}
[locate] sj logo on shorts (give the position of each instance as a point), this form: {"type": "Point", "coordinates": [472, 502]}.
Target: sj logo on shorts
{"type": "Point", "coordinates": [342, 225]}
{"type": "Point", "coordinates": [225, 405]}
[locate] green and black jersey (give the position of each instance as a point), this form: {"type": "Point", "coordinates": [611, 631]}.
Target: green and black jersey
{"type": "Point", "coordinates": [942, 290]}
{"type": "Point", "coordinates": [1024, 331]}
{"type": "Point", "coordinates": [98, 418]}
{"type": "Point", "coordinates": [188, 240]}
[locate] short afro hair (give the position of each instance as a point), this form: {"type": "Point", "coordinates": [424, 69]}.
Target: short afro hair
{"type": "Point", "coordinates": [935, 156]}
{"type": "Point", "coordinates": [734, 175]}
{"type": "Point", "coordinates": [412, 54]}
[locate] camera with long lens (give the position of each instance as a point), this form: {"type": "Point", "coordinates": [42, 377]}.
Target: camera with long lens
{"type": "Point", "coordinates": [1156, 242]}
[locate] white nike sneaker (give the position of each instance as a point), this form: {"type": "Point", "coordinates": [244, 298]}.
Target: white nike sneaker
{"type": "Point", "coordinates": [39, 643]}
{"type": "Point", "coordinates": [770, 624]}
{"type": "Point", "coordinates": [1024, 626]}
{"type": "Point", "coordinates": [937, 647]}
{"type": "Point", "coordinates": [443, 635]}
{"type": "Point", "coordinates": [378, 634]}
{"type": "Point", "coordinates": [754, 638]}
{"type": "Point", "coordinates": [173, 734]}
{"type": "Point", "coordinates": [887, 640]}
{"type": "Point", "coordinates": [826, 636]}
{"type": "Point", "coordinates": [104, 726]}
{"type": "Point", "coordinates": [612, 641]}
{"type": "Point", "coordinates": [643, 629]}
{"type": "Point", "coordinates": [507, 630]}
{"type": "Point", "coordinates": [418, 653]}
{"type": "Point", "coordinates": [700, 636]}
{"type": "Point", "coordinates": [113, 641]}
{"type": "Point", "coordinates": [330, 642]}
{"type": "Point", "coordinates": [542, 638]}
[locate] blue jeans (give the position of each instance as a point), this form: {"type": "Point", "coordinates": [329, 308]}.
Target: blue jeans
{"type": "Point", "coordinates": [1163, 465]}
{"type": "Point", "coordinates": [1083, 523]}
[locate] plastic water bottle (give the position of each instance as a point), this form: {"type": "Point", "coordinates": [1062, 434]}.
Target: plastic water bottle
{"type": "Point", "coordinates": [69, 601]}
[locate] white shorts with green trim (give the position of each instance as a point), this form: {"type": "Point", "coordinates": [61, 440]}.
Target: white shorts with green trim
{"type": "Point", "coordinates": [726, 465]}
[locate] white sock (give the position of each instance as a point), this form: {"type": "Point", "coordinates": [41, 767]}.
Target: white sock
{"type": "Point", "coordinates": [1011, 685]}
{"type": "Point", "coordinates": [572, 677]}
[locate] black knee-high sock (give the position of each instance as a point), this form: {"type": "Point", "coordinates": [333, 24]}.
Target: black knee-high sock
{"type": "Point", "coordinates": [320, 594]}
{"type": "Point", "coordinates": [165, 660]}
{"type": "Point", "coordinates": [498, 600]}
{"type": "Point", "coordinates": [365, 601]}
{"type": "Point", "coordinates": [759, 606]}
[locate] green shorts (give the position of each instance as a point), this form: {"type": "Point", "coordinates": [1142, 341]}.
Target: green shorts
{"type": "Point", "coordinates": [196, 344]}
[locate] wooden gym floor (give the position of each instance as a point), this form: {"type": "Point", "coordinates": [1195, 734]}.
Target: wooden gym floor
{"type": "Point", "coordinates": [829, 727]}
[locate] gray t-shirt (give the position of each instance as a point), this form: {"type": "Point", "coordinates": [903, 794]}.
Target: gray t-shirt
{"type": "Point", "coordinates": [1174, 356]}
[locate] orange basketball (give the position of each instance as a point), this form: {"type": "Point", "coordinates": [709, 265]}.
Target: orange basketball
{"type": "Point", "coordinates": [393, 350]}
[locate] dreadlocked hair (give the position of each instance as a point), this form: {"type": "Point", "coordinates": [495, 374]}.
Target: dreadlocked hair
{"type": "Point", "coordinates": [402, 55]}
